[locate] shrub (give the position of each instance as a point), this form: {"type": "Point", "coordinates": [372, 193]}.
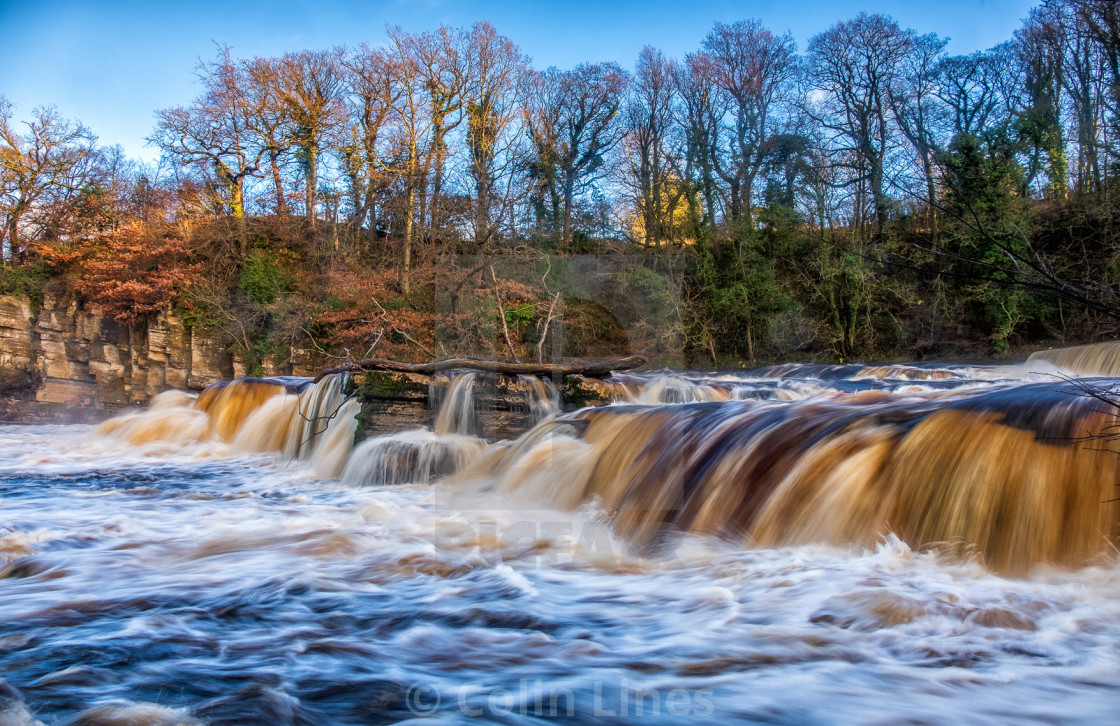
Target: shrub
{"type": "Point", "coordinates": [135, 274]}
{"type": "Point", "coordinates": [263, 278]}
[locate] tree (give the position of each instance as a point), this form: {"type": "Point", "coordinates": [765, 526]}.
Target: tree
{"type": "Point", "coordinates": [214, 131]}
{"type": "Point", "coordinates": [1040, 46]}
{"type": "Point", "coordinates": [699, 116]}
{"type": "Point", "coordinates": [310, 85]}
{"type": "Point", "coordinates": [916, 110]}
{"type": "Point", "coordinates": [137, 272]}
{"type": "Point", "coordinates": [852, 67]}
{"type": "Point", "coordinates": [41, 170]}
{"type": "Point", "coordinates": [755, 69]}
{"type": "Point", "coordinates": [494, 96]}
{"type": "Point", "coordinates": [372, 94]}
{"type": "Point", "coordinates": [444, 62]}
{"type": "Point", "coordinates": [1097, 23]}
{"type": "Point", "coordinates": [572, 119]}
{"type": "Point", "coordinates": [652, 153]}
{"type": "Point", "coordinates": [968, 87]}
{"type": "Point", "coordinates": [268, 122]}
{"type": "Point", "coordinates": [412, 124]}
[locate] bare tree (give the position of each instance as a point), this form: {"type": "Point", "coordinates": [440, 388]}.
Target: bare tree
{"type": "Point", "coordinates": [311, 85]}
{"type": "Point", "coordinates": [372, 94]}
{"type": "Point", "coordinates": [268, 122]}
{"type": "Point", "coordinates": [443, 59]}
{"type": "Point", "coordinates": [41, 169]}
{"type": "Point", "coordinates": [213, 132]}
{"type": "Point", "coordinates": [493, 97]}
{"type": "Point", "coordinates": [1040, 46]}
{"type": "Point", "coordinates": [852, 67]}
{"type": "Point", "coordinates": [699, 117]}
{"type": "Point", "coordinates": [916, 110]}
{"type": "Point", "coordinates": [755, 68]}
{"type": "Point", "coordinates": [573, 122]}
{"type": "Point", "coordinates": [968, 87]}
{"type": "Point", "coordinates": [1099, 22]}
{"type": "Point", "coordinates": [412, 124]}
{"type": "Point", "coordinates": [651, 145]}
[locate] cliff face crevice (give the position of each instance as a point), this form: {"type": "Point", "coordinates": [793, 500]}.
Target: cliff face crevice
{"type": "Point", "coordinates": [64, 362]}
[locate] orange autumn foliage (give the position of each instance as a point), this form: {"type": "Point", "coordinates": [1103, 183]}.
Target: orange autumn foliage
{"type": "Point", "coordinates": [136, 273]}
{"type": "Point", "coordinates": [365, 308]}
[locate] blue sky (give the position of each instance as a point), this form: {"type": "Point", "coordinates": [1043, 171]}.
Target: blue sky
{"type": "Point", "coordinates": [112, 64]}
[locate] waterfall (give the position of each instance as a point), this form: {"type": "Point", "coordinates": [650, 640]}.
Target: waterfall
{"type": "Point", "coordinates": [1099, 359]}
{"type": "Point", "coordinates": [230, 403]}
{"type": "Point", "coordinates": [422, 456]}
{"type": "Point", "coordinates": [544, 397]}
{"type": "Point", "coordinates": [1005, 474]}
{"type": "Point", "coordinates": [456, 405]}
{"type": "Point", "coordinates": [172, 417]}
{"type": "Point", "coordinates": [289, 416]}
{"type": "Point", "coordinates": [418, 456]}
{"type": "Point", "coordinates": [670, 388]}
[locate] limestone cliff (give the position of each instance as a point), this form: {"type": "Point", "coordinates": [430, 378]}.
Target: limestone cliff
{"type": "Point", "coordinates": [62, 362]}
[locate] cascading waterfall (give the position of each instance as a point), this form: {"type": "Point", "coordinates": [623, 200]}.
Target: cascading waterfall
{"type": "Point", "coordinates": [1000, 472]}
{"type": "Point", "coordinates": [1005, 474]}
{"type": "Point", "coordinates": [413, 457]}
{"type": "Point", "coordinates": [422, 455]}
{"type": "Point", "coordinates": [544, 397]}
{"type": "Point", "coordinates": [456, 412]}
{"type": "Point", "coordinates": [1098, 359]}
{"type": "Point", "coordinates": [289, 416]}
{"type": "Point", "coordinates": [674, 389]}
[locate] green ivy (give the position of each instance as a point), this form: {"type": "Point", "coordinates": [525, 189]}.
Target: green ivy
{"type": "Point", "coordinates": [25, 281]}
{"type": "Point", "coordinates": [263, 278]}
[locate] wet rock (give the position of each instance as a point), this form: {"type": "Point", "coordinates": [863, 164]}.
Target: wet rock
{"type": "Point", "coordinates": [257, 704]}
{"type": "Point", "coordinates": [123, 713]}
{"type": "Point", "coordinates": [13, 711]}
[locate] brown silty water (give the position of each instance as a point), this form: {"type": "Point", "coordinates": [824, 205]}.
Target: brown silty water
{"type": "Point", "coordinates": [941, 533]}
{"type": "Point", "coordinates": [1013, 474]}
{"type": "Point", "coordinates": [1014, 477]}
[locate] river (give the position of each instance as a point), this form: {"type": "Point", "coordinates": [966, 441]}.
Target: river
{"type": "Point", "coordinates": [798, 545]}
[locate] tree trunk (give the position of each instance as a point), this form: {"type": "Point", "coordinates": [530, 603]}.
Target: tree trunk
{"type": "Point", "coordinates": [277, 182]}
{"type": "Point", "coordinates": [482, 212]}
{"type": "Point", "coordinates": [312, 152]}
{"type": "Point", "coordinates": [437, 178]}
{"type": "Point", "coordinates": [569, 192]}
{"type": "Point", "coordinates": [406, 253]}
{"type": "Point", "coordinates": [13, 238]}
{"type": "Point", "coordinates": [237, 197]}
{"type": "Point", "coordinates": [590, 370]}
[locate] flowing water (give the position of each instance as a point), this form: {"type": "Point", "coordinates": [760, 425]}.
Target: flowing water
{"type": "Point", "coordinates": [799, 544]}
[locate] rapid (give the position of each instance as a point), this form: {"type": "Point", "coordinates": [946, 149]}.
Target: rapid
{"type": "Point", "coordinates": [797, 544]}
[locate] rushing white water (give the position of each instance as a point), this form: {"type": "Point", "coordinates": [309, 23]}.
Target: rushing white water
{"type": "Point", "coordinates": [194, 580]}
{"type": "Point", "coordinates": [456, 414]}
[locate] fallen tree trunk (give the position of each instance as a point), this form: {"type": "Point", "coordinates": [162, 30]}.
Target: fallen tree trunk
{"type": "Point", "coordinates": [591, 370]}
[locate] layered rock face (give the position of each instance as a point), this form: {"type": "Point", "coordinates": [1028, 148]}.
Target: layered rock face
{"type": "Point", "coordinates": [63, 362]}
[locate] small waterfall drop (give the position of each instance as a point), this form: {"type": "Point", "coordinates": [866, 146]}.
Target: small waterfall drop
{"type": "Point", "coordinates": [422, 456]}
{"type": "Point", "coordinates": [292, 417]}
{"type": "Point", "coordinates": [172, 417]}
{"type": "Point", "coordinates": [1098, 359]}
{"type": "Point", "coordinates": [544, 397]}
{"type": "Point", "coordinates": [670, 388]}
{"type": "Point", "coordinates": [413, 457]}
{"type": "Point", "coordinates": [456, 414]}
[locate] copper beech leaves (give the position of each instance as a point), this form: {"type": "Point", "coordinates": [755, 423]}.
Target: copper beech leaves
{"type": "Point", "coordinates": [136, 273]}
